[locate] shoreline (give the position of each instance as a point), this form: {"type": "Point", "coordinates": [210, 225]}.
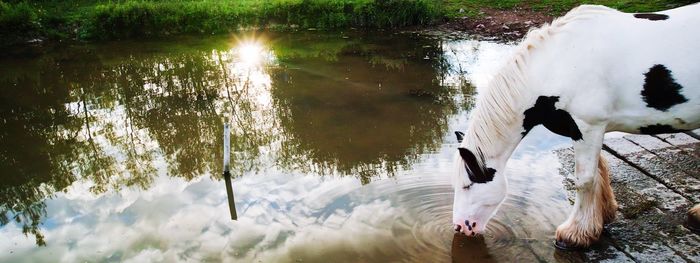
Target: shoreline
{"type": "Point", "coordinates": [500, 25]}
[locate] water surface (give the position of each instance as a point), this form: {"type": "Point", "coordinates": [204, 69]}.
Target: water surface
{"type": "Point", "coordinates": [341, 147]}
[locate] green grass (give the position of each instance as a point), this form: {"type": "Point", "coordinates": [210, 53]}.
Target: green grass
{"type": "Point", "coordinates": [143, 18]}
{"type": "Point", "coordinates": [558, 7]}
{"type": "Point", "coordinates": [21, 20]}
{"type": "Point", "coordinates": [139, 18]}
{"type": "Point", "coordinates": [20, 17]}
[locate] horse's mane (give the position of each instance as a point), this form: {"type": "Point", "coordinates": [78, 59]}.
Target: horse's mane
{"type": "Point", "coordinates": [497, 105]}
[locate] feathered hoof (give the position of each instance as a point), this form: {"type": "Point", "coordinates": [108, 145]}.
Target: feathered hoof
{"type": "Point", "coordinates": [693, 224]}
{"type": "Point", "coordinates": [576, 236]}
{"type": "Point", "coordinates": [564, 246]}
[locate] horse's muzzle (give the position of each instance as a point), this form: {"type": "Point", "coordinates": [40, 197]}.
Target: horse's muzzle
{"type": "Point", "coordinates": [466, 227]}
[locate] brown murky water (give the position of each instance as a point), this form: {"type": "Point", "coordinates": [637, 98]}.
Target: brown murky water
{"type": "Point", "coordinates": [341, 147]}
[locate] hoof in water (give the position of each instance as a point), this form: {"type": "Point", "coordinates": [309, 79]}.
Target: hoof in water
{"type": "Point", "coordinates": [693, 224]}
{"type": "Point", "coordinates": [562, 245]}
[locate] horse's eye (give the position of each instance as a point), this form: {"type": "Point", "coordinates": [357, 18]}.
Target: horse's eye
{"type": "Point", "coordinates": [466, 187]}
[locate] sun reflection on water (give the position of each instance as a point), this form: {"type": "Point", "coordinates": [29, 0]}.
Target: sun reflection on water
{"type": "Point", "coordinates": [252, 52]}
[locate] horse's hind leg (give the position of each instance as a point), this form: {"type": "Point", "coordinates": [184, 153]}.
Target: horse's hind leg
{"type": "Point", "coordinates": [595, 203]}
{"type": "Point", "coordinates": [694, 219]}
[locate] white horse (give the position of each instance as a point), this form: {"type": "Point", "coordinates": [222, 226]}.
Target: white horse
{"type": "Point", "coordinates": [589, 72]}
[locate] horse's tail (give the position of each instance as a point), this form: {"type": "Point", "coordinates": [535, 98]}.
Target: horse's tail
{"type": "Point", "coordinates": [605, 192]}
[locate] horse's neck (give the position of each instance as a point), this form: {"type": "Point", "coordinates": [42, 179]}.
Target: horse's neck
{"type": "Point", "coordinates": [496, 126]}
{"type": "Point", "coordinates": [497, 134]}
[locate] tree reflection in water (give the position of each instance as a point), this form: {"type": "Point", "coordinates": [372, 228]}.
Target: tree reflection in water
{"type": "Point", "coordinates": [118, 115]}
{"type": "Point", "coordinates": [366, 110]}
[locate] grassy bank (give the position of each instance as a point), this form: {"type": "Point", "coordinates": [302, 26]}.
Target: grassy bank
{"type": "Point", "coordinates": [129, 18]}
{"type": "Point", "coordinates": [557, 7]}
{"type": "Point", "coordinates": [22, 20]}
{"type": "Point", "coordinates": [153, 18]}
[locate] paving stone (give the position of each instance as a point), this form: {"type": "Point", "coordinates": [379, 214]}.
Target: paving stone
{"type": "Point", "coordinates": [640, 239]}
{"type": "Point", "coordinates": [647, 142]}
{"type": "Point", "coordinates": [655, 232]}
{"type": "Point", "coordinates": [658, 168]}
{"type": "Point", "coordinates": [694, 133]}
{"type": "Point", "coordinates": [678, 139]}
{"type": "Point", "coordinates": [623, 146]}
{"type": "Point", "coordinates": [602, 251]}
{"type": "Point", "coordinates": [652, 178]}
{"type": "Point", "coordinates": [682, 160]}
{"type": "Point", "coordinates": [685, 142]}
{"type": "Point", "coordinates": [636, 192]}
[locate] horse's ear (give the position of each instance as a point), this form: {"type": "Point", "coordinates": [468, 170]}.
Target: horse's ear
{"type": "Point", "coordinates": [476, 166]}
{"type": "Point", "coordinates": [460, 136]}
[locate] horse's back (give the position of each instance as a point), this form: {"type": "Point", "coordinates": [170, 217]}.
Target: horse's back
{"type": "Point", "coordinates": [630, 70]}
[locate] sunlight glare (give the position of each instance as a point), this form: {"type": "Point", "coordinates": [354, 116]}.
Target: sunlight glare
{"type": "Point", "coordinates": [250, 52]}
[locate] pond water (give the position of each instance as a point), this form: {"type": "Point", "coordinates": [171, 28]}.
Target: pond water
{"type": "Point", "coordinates": [341, 151]}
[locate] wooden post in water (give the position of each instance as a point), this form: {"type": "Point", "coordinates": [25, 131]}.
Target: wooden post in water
{"type": "Point", "coordinates": [227, 173]}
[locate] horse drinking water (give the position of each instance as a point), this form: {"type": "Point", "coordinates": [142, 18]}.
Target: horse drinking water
{"type": "Point", "coordinates": [591, 71]}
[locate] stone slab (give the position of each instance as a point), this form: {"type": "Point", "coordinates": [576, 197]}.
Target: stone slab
{"type": "Point", "coordinates": [655, 167]}
{"type": "Point", "coordinates": [681, 157]}
{"type": "Point", "coordinates": [648, 178]}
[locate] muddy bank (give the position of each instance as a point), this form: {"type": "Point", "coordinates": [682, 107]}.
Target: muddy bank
{"type": "Point", "coordinates": [505, 25]}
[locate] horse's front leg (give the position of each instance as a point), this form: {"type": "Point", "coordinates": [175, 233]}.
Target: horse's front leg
{"type": "Point", "coordinates": [595, 203]}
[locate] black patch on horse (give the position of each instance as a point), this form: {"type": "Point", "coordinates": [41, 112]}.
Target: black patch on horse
{"type": "Point", "coordinates": [652, 17]}
{"type": "Point", "coordinates": [557, 121]}
{"type": "Point", "coordinates": [660, 90]}
{"type": "Point", "coordinates": [460, 136]}
{"type": "Point", "coordinates": [476, 167]}
{"type": "Point", "coordinates": [658, 129]}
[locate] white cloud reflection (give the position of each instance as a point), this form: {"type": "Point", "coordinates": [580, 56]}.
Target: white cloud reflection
{"type": "Point", "coordinates": [188, 221]}
{"type": "Point", "coordinates": [477, 61]}
{"type": "Point", "coordinates": [282, 218]}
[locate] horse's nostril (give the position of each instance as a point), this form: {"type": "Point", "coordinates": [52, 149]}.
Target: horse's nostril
{"type": "Point", "coordinates": [458, 228]}
{"type": "Point", "coordinates": [474, 224]}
